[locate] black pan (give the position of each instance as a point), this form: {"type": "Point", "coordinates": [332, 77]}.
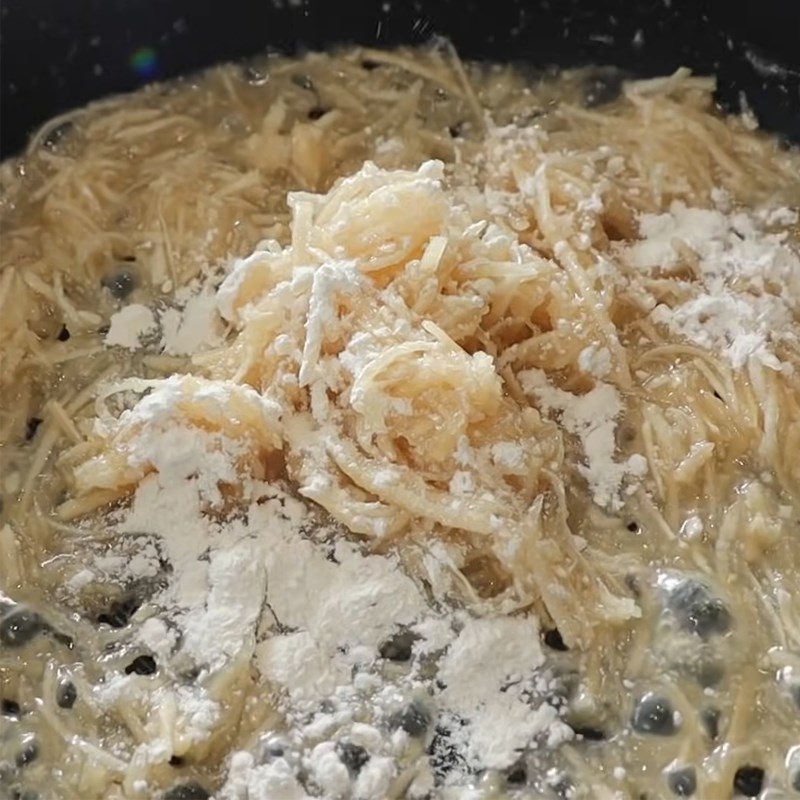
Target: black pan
{"type": "Point", "coordinates": [58, 54]}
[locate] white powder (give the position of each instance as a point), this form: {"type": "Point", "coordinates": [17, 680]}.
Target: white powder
{"type": "Point", "coordinates": [191, 326]}
{"type": "Point", "coordinates": [375, 778]}
{"type": "Point", "coordinates": [508, 455]}
{"type": "Point", "coordinates": [461, 483]}
{"type": "Point", "coordinates": [592, 418]}
{"type": "Point", "coordinates": [739, 327]}
{"type": "Point", "coordinates": [356, 603]}
{"type": "Point", "coordinates": [729, 246]}
{"type": "Point", "coordinates": [748, 287]}
{"type": "Point", "coordinates": [157, 637]}
{"type": "Point", "coordinates": [180, 452]}
{"type": "Point", "coordinates": [213, 597]}
{"type": "Point", "coordinates": [129, 325]}
{"type": "Point", "coordinates": [328, 770]}
{"type": "Point", "coordinates": [217, 570]}
{"type": "Point", "coordinates": [295, 661]}
{"type": "Point", "coordinates": [235, 593]}
{"type": "Point", "coordinates": [249, 781]}
{"type": "Point", "coordinates": [595, 361]}
{"type": "Point", "coordinates": [327, 607]}
{"type": "Point", "coordinates": [195, 327]}
{"type": "Point", "coordinates": [196, 712]}
{"type": "Point", "coordinates": [695, 226]}
{"type": "Point", "coordinates": [491, 678]}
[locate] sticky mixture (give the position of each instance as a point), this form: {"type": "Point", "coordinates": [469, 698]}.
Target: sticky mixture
{"type": "Point", "coordinates": [377, 425]}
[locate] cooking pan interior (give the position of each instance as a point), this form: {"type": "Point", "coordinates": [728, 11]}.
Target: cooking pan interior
{"type": "Point", "coordinates": [57, 55]}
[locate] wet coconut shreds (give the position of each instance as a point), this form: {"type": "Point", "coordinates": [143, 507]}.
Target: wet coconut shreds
{"type": "Point", "coordinates": [429, 432]}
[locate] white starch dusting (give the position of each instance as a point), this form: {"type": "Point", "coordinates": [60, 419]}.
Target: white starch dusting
{"type": "Point", "coordinates": [313, 614]}
{"type": "Point", "coordinates": [746, 286]}
{"type": "Point", "coordinates": [130, 325]}
{"type": "Point", "coordinates": [189, 326]}
{"type": "Point", "coordinates": [592, 417]}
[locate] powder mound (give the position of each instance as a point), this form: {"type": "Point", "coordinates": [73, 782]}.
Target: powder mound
{"type": "Point", "coordinates": [745, 286]}
{"type": "Point", "coordinates": [130, 325]}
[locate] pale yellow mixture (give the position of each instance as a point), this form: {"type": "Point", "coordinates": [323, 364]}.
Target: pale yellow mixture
{"type": "Point", "coordinates": [587, 251]}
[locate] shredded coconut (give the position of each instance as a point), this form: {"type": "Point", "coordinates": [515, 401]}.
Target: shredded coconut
{"type": "Point", "coordinates": [252, 581]}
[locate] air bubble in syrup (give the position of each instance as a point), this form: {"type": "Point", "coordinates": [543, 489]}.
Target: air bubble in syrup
{"type": "Point", "coordinates": [141, 665]}
{"type": "Point", "coordinates": [654, 715]}
{"type": "Point", "coordinates": [399, 646]}
{"type": "Point", "coordinates": [682, 781]}
{"type": "Point", "coordinates": [254, 76]}
{"type": "Point", "coordinates": [120, 282]}
{"type": "Point", "coordinates": [748, 780]}
{"type": "Point", "coordinates": [19, 627]}
{"type": "Point", "coordinates": [28, 753]}
{"type": "Point", "coordinates": [56, 134]}
{"type": "Point", "coordinates": [553, 639]}
{"type": "Point", "coordinates": [120, 611]}
{"type": "Point", "coordinates": [10, 708]}
{"type": "Point", "coordinates": [186, 791]}
{"type": "Point", "coordinates": [304, 82]}
{"type": "Point", "coordinates": [696, 609]}
{"type": "Point", "coordinates": [413, 720]}
{"type": "Point", "coordinates": [352, 756]}
{"type": "Point", "coordinates": [66, 694]}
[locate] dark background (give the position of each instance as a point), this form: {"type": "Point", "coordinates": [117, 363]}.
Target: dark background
{"type": "Point", "coordinates": [57, 54]}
